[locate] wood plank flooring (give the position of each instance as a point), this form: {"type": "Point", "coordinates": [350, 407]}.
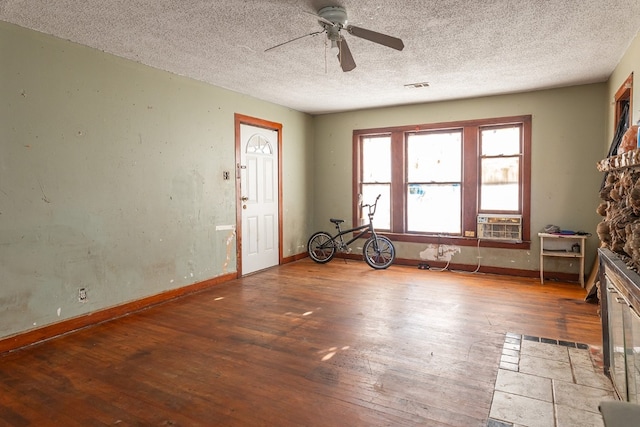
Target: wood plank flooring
{"type": "Point", "coordinates": [298, 345]}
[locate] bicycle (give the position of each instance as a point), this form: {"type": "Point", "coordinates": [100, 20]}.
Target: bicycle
{"type": "Point", "coordinates": [378, 251]}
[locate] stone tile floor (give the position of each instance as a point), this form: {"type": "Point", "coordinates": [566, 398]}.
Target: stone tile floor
{"type": "Point", "coordinates": [548, 383]}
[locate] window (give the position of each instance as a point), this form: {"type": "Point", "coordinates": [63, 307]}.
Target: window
{"type": "Point", "coordinates": [500, 152]}
{"type": "Point", "coordinates": [436, 179]}
{"type": "Point", "coordinates": [376, 177]}
{"type": "Point", "coordinates": [434, 182]}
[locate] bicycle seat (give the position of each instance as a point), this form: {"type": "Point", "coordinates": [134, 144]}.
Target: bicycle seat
{"type": "Point", "coordinates": [336, 221]}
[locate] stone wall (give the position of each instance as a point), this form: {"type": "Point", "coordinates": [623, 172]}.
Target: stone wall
{"type": "Point", "coordinates": [619, 231]}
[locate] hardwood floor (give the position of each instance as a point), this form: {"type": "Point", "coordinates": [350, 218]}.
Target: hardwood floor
{"type": "Point", "coordinates": [298, 345]}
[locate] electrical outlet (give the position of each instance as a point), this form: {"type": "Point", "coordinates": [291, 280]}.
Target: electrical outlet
{"type": "Point", "coordinates": [468, 233]}
{"type": "Point", "coordinates": [225, 175]}
{"type": "Point", "coordinates": [82, 294]}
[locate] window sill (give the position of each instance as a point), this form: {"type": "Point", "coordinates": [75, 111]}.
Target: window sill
{"type": "Point", "coordinates": [456, 241]}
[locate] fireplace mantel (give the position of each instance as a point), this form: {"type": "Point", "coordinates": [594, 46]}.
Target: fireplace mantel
{"type": "Point", "coordinates": [630, 159]}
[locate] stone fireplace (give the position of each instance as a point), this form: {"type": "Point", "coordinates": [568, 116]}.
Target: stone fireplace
{"type": "Point", "coordinates": [619, 281]}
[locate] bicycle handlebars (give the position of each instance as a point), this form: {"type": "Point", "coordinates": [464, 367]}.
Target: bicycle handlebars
{"type": "Point", "coordinates": [374, 205]}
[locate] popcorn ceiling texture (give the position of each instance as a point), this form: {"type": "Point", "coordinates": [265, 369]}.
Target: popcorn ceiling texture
{"type": "Point", "coordinates": [462, 48]}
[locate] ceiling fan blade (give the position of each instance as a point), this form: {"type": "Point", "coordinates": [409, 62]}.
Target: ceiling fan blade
{"type": "Point", "coordinates": [344, 56]}
{"type": "Point", "coordinates": [297, 38]}
{"type": "Point", "coordinates": [383, 39]}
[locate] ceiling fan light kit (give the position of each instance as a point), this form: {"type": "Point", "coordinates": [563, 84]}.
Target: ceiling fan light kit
{"type": "Point", "coordinates": [333, 19]}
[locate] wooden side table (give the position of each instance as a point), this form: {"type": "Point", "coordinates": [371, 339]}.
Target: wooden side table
{"type": "Point", "coordinates": [571, 240]}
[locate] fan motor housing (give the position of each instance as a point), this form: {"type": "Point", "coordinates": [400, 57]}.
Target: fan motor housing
{"type": "Point", "coordinates": [335, 14]}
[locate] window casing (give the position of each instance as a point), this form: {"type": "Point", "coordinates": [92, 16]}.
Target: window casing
{"type": "Point", "coordinates": [436, 178]}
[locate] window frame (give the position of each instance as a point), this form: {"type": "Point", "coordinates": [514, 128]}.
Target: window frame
{"type": "Point", "coordinates": [470, 179]}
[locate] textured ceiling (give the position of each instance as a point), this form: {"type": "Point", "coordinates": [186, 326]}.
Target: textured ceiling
{"type": "Point", "coordinates": [461, 48]}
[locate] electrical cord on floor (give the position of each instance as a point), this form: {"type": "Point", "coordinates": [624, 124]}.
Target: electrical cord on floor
{"type": "Point", "coordinates": [446, 267]}
{"type": "Point", "coordinates": [477, 268]}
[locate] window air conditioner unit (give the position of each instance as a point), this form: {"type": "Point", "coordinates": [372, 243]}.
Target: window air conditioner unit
{"type": "Point", "coordinates": [500, 227]}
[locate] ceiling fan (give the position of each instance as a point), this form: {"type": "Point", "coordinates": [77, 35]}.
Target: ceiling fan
{"type": "Point", "coordinates": [333, 19]}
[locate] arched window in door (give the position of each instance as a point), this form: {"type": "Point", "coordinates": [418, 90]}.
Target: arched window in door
{"type": "Point", "coordinates": [258, 144]}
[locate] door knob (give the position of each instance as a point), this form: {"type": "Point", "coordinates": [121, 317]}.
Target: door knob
{"type": "Point", "coordinates": [244, 198]}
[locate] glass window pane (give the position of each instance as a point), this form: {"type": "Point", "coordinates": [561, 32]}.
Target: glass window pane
{"type": "Point", "coordinates": [502, 141]}
{"type": "Point", "coordinates": [434, 208]}
{"type": "Point", "coordinates": [500, 184]}
{"type": "Point", "coordinates": [259, 144]}
{"type": "Point", "coordinates": [376, 159]}
{"type": "Point", "coordinates": [434, 157]}
{"type": "Point", "coordinates": [382, 218]}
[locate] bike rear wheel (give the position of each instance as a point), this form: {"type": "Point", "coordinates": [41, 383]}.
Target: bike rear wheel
{"type": "Point", "coordinates": [379, 252]}
{"type": "Point", "coordinates": [321, 247]}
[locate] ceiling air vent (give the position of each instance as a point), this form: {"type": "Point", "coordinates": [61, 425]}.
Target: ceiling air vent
{"type": "Point", "coordinates": [417, 85]}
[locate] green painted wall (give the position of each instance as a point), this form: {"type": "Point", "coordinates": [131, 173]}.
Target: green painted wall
{"type": "Point", "coordinates": [567, 138]}
{"type": "Point", "coordinates": [111, 174]}
{"type": "Point", "coordinates": [111, 179]}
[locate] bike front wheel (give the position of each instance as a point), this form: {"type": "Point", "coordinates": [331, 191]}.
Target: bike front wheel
{"type": "Point", "coordinates": [321, 247]}
{"type": "Point", "coordinates": [379, 252]}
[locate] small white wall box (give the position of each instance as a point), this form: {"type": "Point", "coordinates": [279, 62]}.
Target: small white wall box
{"type": "Point", "coordinates": [500, 227]}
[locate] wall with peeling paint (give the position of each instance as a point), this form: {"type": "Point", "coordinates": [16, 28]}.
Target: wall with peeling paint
{"type": "Point", "coordinates": [568, 127]}
{"type": "Point", "coordinates": [111, 179]}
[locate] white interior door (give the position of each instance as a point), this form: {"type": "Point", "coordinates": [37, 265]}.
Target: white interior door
{"type": "Point", "coordinates": [259, 197]}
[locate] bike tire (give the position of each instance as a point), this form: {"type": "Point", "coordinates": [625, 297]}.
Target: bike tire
{"type": "Point", "coordinates": [321, 247]}
{"type": "Point", "coordinates": [379, 252]}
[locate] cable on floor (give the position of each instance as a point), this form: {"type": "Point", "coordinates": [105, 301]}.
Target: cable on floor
{"type": "Point", "coordinates": [446, 267]}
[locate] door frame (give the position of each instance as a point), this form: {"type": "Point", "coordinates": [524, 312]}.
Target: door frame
{"type": "Point", "coordinates": [253, 121]}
